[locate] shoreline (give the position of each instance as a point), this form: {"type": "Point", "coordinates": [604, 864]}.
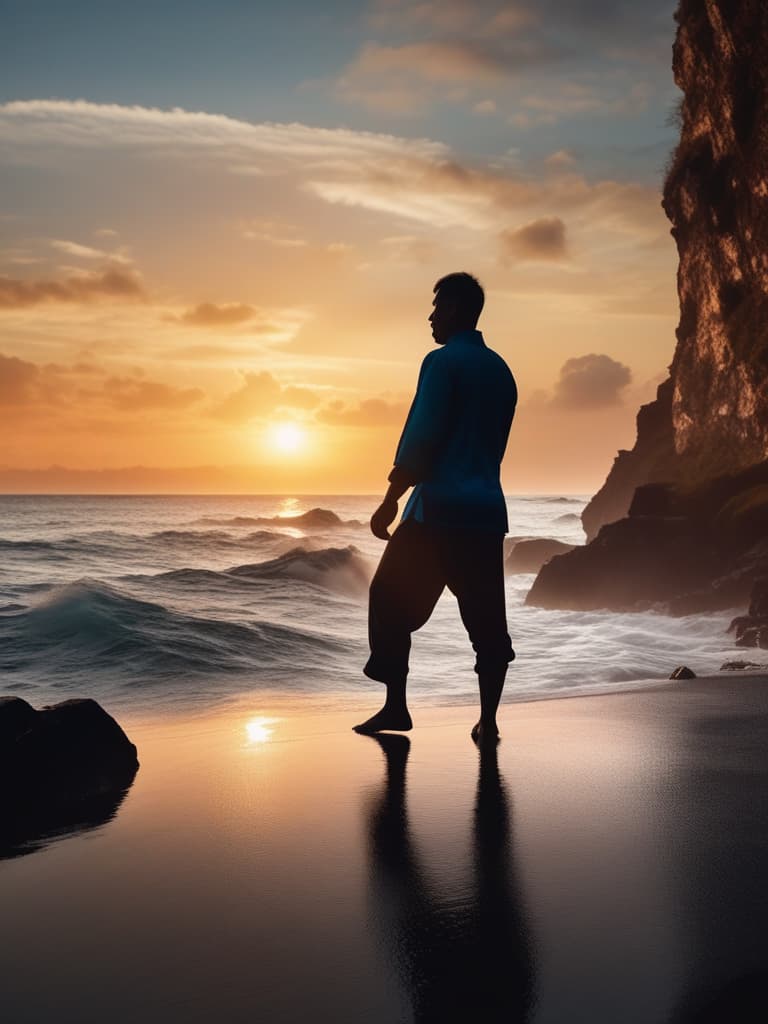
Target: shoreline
{"type": "Point", "coordinates": [302, 704]}
{"type": "Point", "coordinates": [605, 862]}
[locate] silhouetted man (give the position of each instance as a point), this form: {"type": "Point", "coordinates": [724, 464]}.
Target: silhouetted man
{"type": "Point", "coordinates": [452, 529]}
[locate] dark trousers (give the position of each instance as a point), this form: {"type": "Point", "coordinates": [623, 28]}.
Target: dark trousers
{"type": "Point", "coordinates": [419, 561]}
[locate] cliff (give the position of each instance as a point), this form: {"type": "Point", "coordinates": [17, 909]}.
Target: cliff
{"type": "Point", "coordinates": [711, 416]}
{"type": "Point", "coordinates": [710, 420]}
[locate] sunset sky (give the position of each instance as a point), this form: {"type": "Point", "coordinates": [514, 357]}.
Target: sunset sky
{"type": "Point", "coordinates": [220, 225]}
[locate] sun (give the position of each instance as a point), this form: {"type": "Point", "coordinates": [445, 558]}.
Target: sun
{"type": "Point", "coordinates": [258, 729]}
{"type": "Point", "coordinates": [286, 438]}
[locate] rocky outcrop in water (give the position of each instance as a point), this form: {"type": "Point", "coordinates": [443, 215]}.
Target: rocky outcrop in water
{"type": "Point", "coordinates": [752, 629]}
{"type": "Point", "coordinates": [530, 555]}
{"type": "Point", "coordinates": [706, 435]}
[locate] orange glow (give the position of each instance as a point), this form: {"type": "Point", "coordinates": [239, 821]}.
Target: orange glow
{"type": "Point", "coordinates": [258, 730]}
{"type": "Point", "coordinates": [286, 438]}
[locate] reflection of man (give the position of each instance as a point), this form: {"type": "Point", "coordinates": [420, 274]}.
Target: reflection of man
{"type": "Point", "coordinates": [465, 954]}
{"type": "Point", "coordinates": [453, 526]}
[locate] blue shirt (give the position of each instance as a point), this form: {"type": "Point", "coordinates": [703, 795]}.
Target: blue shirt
{"type": "Point", "coordinates": [454, 437]}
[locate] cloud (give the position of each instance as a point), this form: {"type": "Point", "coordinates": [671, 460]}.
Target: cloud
{"type": "Point", "coordinates": [82, 124]}
{"type": "Point", "coordinates": [591, 382]}
{"type": "Point", "coordinates": [542, 239]}
{"type": "Point", "coordinates": [88, 252]}
{"type": "Point", "coordinates": [37, 387]}
{"type": "Point", "coordinates": [133, 394]}
{"type": "Point", "coordinates": [208, 314]}
{"type": "Point", "coordinates": [505, 45]}
{"type": "Point", "coordinates": [260, 394]}
{"type": "Point", "coordinates": [19, 381]}
{"type": "Point", "coordinates": [406, 78]}
{"type": "Point", "coordinates": [410, 249]}
{"type": "Point", "coordinates": [370, 412]}
{"type": "Point", "coordinates": [109, 283]}
{"type": "Point", "coordinates": [560, 158]}
{"type": "Point", "coordinates": [572, 99]}
{"type": "Point", "coordinates": [611, 25]}
{"type": "Point", "coordinates": [434, 61]}
{"type": "Point", "coordinates": [417, 179]}
{"type": "Point", "coordinates": [484, 107]}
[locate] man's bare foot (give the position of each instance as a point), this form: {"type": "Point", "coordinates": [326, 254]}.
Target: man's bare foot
{"type": "Point", "coordinates": [485, 732]}
{"type": "Point", "coordinates": [386, 720]}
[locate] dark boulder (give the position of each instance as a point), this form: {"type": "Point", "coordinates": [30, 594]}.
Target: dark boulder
{"type": "Point", "coordinates": [16, 718]}
{"type": "Point", "coordinates": [63, 768]}
{"type": "Point", "coordinates": [683, 672]}
{"type": "Point", "coordinates": [74, 746]}
{"type": "Point", "coordinates": [530, 555]}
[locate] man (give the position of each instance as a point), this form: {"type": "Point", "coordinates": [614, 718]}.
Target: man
{"type": "Point", "coordinates": [452, 529]}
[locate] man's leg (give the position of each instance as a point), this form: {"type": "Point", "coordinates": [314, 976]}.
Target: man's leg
{"type": "Point", "coordinates": [477, 579]}
{"type": "Point", "coordinates": [402, 595]}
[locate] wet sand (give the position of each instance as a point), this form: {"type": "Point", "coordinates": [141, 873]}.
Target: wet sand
{"type": "Point", "coordinates": [605, 864]}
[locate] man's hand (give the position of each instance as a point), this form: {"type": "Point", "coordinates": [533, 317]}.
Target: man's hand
{"type": "Point", "coordinates": [383, 517]}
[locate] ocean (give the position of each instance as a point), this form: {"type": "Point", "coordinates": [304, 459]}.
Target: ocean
{"type": "Point", "coordinates": [156, 603]}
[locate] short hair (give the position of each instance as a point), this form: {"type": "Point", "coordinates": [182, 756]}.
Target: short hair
{"type": "Point", "coordinates": [465, 290]}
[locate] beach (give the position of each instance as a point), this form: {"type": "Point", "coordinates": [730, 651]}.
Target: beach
{"type": "Point", "coordinates": [605, 863]}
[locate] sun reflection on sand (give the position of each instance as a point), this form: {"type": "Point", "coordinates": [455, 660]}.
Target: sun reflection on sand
{"type": "Point", "coordinates": [258, 729]}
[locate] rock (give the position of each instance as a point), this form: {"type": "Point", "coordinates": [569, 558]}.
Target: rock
{"type": "Point", "coordinates": [711, 416]}
{"type": "Point", "coordinates": [632, 564]}
{"type": "Point", "coordinates": [72, 748]}
{"type": "Point", "coordinates": [691, 549]}
{"type": "Point", "coordinates": [63, 769]}
{"type": "Point", "coordinates": [753, 636]}
{"type": "Point", "coordinates": [758, 602]}
{"type": "Point", "coordinates": [16, 718]}
{"type": "Point", "coordinates": [652, 458]}
{"type": "Point", "coordinates": [316, 517]}
{"type": "Point", "coordinates": [752, 629]}
{"type": "Point", "coordinates": [530, 555]}
{"type": "Point", "coordinates": [741, 666]}
{"type": "Point", "coordinates": [706, 434]}
{"type": "Point", "coordinates": [683, 672]}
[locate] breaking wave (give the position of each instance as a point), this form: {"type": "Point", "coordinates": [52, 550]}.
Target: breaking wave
{"type": "Point", "coordinates": [314, 519]}
{"type": "Point", "coordinates": [341, 570]}
{"type": "Point", "coordinates": [89, 626]}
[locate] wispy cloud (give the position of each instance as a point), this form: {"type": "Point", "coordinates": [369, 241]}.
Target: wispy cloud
{"type": "Point", "coordinates": [208, 314]}
{"type": "Point", "coordinates": [417, 179]}
{"type": "Point", "coordinates": [116, 283]}
{"type": "Point", "coordinates": [88, 252]}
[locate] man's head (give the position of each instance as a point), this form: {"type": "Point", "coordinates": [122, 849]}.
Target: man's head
{"type": "Point", "coordinates": [457, 305]}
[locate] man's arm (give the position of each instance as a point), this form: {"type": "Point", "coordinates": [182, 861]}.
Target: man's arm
{"type": "Point", "coordinates": [427, 423]}
{"type": "Point", "coordinates": [387, 510]}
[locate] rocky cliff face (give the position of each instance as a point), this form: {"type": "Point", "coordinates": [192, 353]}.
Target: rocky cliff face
{"type": "Point", "coordinates": [711, 417]}
{"type": "Point", "coordinates": [706, 435]}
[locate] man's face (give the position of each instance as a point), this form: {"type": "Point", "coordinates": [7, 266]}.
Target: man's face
{"type": "Point", "coordinates": [443, 319]}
